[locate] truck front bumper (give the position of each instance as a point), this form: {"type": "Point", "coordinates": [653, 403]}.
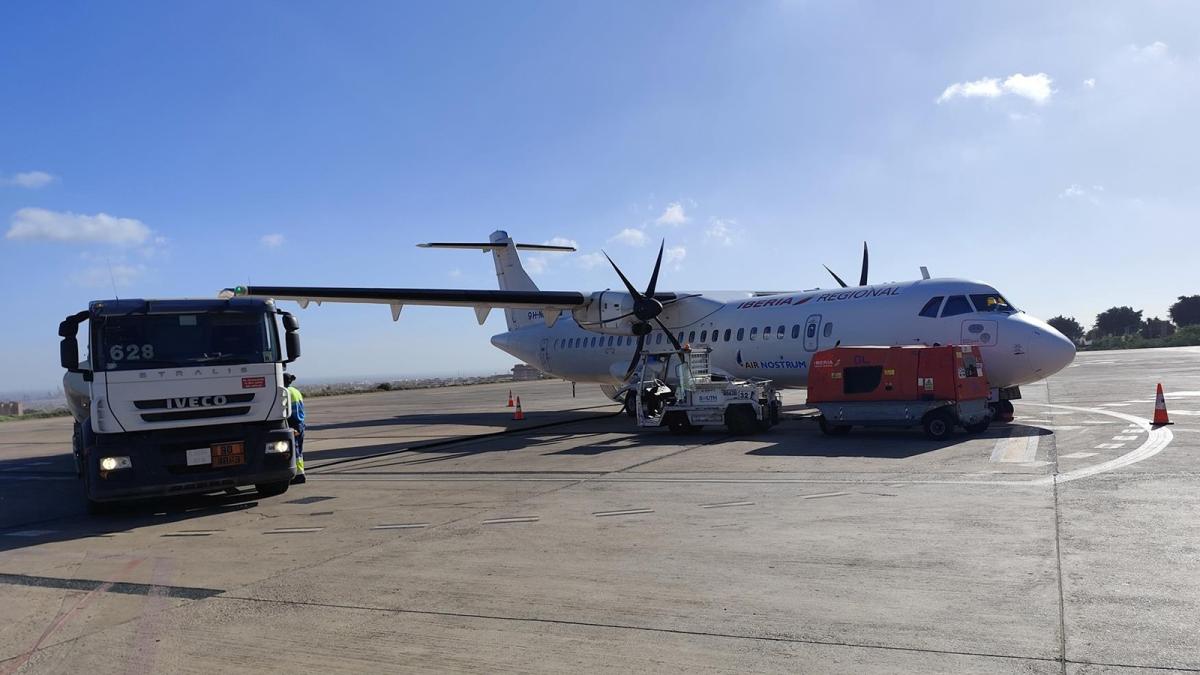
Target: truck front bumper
{"type": "Point", "coordinates": [159, 465]}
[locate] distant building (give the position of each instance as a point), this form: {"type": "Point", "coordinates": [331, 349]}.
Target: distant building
{"type": "Point", "coordinates": [522, 372]}
{"type": "Point", "coordinates": [12, 408]}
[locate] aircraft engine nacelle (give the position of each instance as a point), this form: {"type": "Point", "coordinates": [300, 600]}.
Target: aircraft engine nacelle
{"type": "Point", "coordinates": [600, 314]}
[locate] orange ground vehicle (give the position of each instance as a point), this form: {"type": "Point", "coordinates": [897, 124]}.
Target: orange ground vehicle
{"type": "Point", "coordinates": [935, 387]}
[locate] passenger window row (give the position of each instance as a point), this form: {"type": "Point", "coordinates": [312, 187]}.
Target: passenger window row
{"type": "Point", "coordinates": [705, 336]}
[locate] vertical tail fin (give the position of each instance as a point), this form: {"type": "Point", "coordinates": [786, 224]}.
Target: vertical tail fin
{"type": "Point", "coordinates": [509, 273]}
{"type": "Point", "coordinates": [511, 276]}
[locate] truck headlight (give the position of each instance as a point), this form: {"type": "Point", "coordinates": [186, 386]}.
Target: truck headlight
{"type": "Point", "coordinates": [278, 447]}
{"type": "Point", "coordinates": [114, 463]}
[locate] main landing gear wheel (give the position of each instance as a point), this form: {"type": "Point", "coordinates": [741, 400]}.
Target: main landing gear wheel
{"type": "Point", "coordinates": [938, 425]}
{"type": "Point", "coordinates": [1002, 411]}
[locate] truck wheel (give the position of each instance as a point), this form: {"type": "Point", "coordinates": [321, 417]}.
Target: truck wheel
{"type": "Point", "coordinates": [978, 427]}
{"type": "Point", "coordinates": [832, 429]}
{"type": "Point", "coordinates": [272, 489]}
{"type": "Point", "coordinates": [631, 404]}
{"type": "Point", "coordinates": [739, 419]}
{"type": "Point", "coordinates": [938, 425]}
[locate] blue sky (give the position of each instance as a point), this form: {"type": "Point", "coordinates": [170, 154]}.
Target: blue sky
{"type": "Point", "coordinates": [1048, 148]}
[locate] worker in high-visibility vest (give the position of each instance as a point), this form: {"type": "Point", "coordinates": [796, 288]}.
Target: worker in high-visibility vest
{"type": "Point", "coordinates": [296, 422]}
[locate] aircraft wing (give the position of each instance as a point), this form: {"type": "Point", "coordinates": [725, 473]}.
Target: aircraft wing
{"type": "Point", "coordinates": [481, 300]}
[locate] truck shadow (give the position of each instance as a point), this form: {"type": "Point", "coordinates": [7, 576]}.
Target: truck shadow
{"type": "Point", "coordinates": [881, 442]}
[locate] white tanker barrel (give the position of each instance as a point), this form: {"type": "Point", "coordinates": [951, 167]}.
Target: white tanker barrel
{"type": "Point", "coordinates": [78, 392]}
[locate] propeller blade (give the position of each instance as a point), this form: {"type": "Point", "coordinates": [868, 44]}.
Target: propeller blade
{"type": "Point", "coordinates": [670, 336]}
{"type": "Point", "coordinates": [862, 278]}
{"type": "Point", "coordinates": [681, 297]}
{"type": "Point", "coordinates": [628, 286]}
{"type": "Point", "coordinates": [637, 354]}
{"type": "Point", "coordinates": [835, 276]}
{"type": "Point", "coordinates": [654, 276]}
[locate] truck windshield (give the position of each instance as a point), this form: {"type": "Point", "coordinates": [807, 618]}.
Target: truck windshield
{"type": "Point", "coordinates": [140, 341]}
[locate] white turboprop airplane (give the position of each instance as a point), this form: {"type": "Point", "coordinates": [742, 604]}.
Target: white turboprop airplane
{"type": "Point", "coordinates": [751, 334]}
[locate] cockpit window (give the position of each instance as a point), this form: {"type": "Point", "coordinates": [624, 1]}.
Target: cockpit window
{"type": "Point", "coordinates": [992, 302]}
{"type": "Point", "coordinates": [955, 305]}
{"type": "Point", "coordinates": [931, 308]}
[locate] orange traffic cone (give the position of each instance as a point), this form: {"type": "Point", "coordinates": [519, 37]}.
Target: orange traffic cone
{"type": "Point", "coordinates": [510, 402]}
{"type": "Point", "coordinates": [518, 414]}
{"type": "Point", "coordinates": [1160, 409]}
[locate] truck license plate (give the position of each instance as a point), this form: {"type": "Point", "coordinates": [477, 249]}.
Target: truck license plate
{"type": "Point", "coordinates": [228, 454]}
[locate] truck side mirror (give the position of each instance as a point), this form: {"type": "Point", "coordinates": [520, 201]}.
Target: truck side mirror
{"type": "Point", "coordinates": [68, 353]}
{"type": "Point", "coordinates": [290, 323]}
{"type": "Point", "coordinates": [293, 345]}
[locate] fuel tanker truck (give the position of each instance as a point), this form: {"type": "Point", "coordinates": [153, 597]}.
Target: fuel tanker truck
{"type": "Point", "coordinates": [179, 396]}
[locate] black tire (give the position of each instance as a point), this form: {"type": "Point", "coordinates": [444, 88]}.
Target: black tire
{"type": "Point", "coordinates": [631, 403]}
{"type": "Point", "coordinates": [938, 425]}
{"type": "Point", "coordinates": [978, 427]}
{"type": "Point", "coordinates": [272, 489]}
{"type": "Point", "coordinates": [95, 508]}
{"type": "Point", "coordinates": [740, 420]}
{"type": "Point", "coordinates": [832, 429]}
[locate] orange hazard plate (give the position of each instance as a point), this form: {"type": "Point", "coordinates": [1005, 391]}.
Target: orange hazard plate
{"type": "Point", "coordinates": [228, 454]}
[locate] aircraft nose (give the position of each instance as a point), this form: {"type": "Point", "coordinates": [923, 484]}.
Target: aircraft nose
{"type": "Point", "coordinates": [1052, 351]}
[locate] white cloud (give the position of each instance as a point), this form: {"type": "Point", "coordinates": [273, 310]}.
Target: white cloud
{"type": "Point", "coordinates": [1035, 87]}
{"type": "Point", "coordinates": [721, 231]}
{"type": "Point", "coordinates": [64, 226]}
{"type": "Point", "coordinates": [105, 276]}
{"type": "Point", "coordinates": [1155, 51]}
{"type": "Point", "coordinates": [1090, 83]}
{"type": "Point", "coordinates": [29, 179]}
{"type": "Point", "coordinates": [674, 256]}
{"type": "Point", "coordinates": [274, 240]}
{"type": "Point", "coordinates": [630, 236]}
{"type": "Point", "coordinates": [1077, 191]}
{"type": "Point", "coordinates": [535, 264]}
{"type": "Point", "coordinates": [561, 241]}
{"type": "Point", "coordinates": [672, 215]}
{"type": "Point", "coordinates": [589, 261]}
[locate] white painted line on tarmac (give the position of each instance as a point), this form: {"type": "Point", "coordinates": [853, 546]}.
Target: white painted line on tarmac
{"type": "Point", "coordinates": [725, 505]}
{"type": "Point", "coordinates": [1115, 405]}
{"type": "Point", "coordinates": [1109, 446]}
{"type": "Point", "coordinates": [28, 533]}
{"type": "Point", "coordinates": [401, 526]}
{"type": "Point", "coordinates": [1078, 455]}
{"type": "Point", "coordinates": [1156, 441]}
{"type": "Point", "coordinates": [294, 530]}
{"type": "Point", "coordinates": [1124, 438]}
{"type": "Point", "coordinates": [1015, 449]}
{"type": "Point", "coordinates": [1064, 427]}
{"type": "Point", "coordinates": [517, 519]}
{"type": "Point", "coordinates": [824, 494]}
{"type": "Point", "coordinates": [626, 512]}
{"type": "Point", "coordinates": [1034, 465]}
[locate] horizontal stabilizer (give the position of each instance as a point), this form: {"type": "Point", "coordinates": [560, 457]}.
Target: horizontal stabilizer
{"type": "Point", "coordinates": [490, 246]}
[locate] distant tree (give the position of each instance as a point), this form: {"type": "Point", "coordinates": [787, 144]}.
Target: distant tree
{"type": "Point", "coordinates": [1118, 321]}
{"type": "Point", "coordinates": [1067, 325]}
{"type": "Point", "coordinates": [1157, 328]}
{"type": "Point", "coordinates": [1186, 312]}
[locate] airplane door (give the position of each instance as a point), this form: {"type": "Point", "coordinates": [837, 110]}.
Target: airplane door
{"type": "Point", "coordinates": [812, 329]}
{"type": "Point", "coordinates": [544, 354]}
